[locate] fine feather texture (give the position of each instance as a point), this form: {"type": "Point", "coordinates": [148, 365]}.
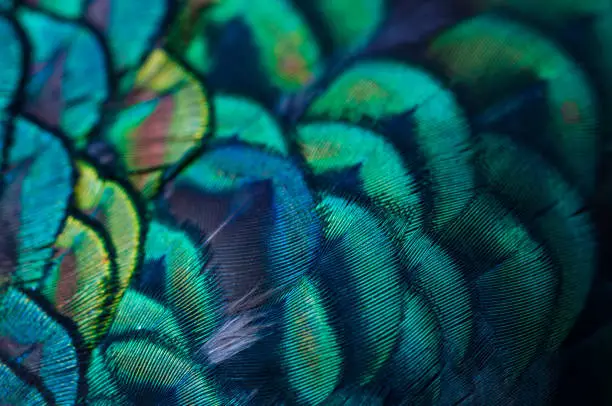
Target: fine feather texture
{"type": "Point", "coordinates": [294, 202]}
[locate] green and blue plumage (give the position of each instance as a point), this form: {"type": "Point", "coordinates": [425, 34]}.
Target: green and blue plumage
{"type": "Point", "coordinates": [375, 202]}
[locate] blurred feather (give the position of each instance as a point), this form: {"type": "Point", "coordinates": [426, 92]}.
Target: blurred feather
{"type": "Point", "coordinates": [411, 22]}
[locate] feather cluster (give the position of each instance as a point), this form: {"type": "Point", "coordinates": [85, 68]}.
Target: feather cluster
{"type": "Point", "coordinates": [298, 202]}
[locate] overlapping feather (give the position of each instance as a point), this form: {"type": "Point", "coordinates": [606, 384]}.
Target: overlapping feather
{"type": "Point", "coordinates": [262, 203]}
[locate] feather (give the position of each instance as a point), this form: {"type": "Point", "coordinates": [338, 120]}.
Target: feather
{"type": "Point", "coordinates": [188, 286]}
{"type": "Point", "coordinates": [343, 24]}
{"type": "Point", "coordinates": [256, 212]}
{"type": "Point", "coordinates": [339, 149]}
{"type": "Point", "coordinates": [128, 44]}
{"type": "Point", "coordinates": [16, 390]}
{"type": "Point", "coordinates": [170, 324]}
{"type": "Point", "coordinates": [470, 58]}
{"type": "Point", "coordinates": [376, 202]}
{"type": "Point", "coordinates": [553, 211]}
{"type": "Point", "coordinates": [437, 129]}
{"type": "Point", "coordinates": [365, 285]}
{"type": "Point", "coordinates": [37, 191]}
{"type": "Point", "coordinates": [68, 80]}
{"type": "Point", "coordinates": [310, 348]}
{"type": "Point", "coordinates": [241, 119]}
{"type": "Point", "coordinates": [189, 19]}
{"type": "Point", "coordinates": [116, 208]}
{"type": "Point", "coordinates": [13, 70]}
{"type": "Point", "coordinates": [81, 282]}
{"type": "Point", "coordinates": [411, 22]}
{"type": "Point", "coordinates": [38, 360]}
{"type": "Point", "coordinates": [164, 117]}
{"type": "Point", "coordinates": [149, 370]}
{"type": "Point", "coordinates": [274, 39]}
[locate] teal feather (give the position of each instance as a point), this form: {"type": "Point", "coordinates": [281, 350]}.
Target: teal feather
{"type": "Point", "coordinates": [127, 43]}
{"type": "Point", "coordinates": [416, 362]}
{"type": "Point", "coordinates": [68, 81]}
{"type": "Point", "coordinates": [242, 119]}
{"type": "Point", "coordinates": [13, 70]}
{"type": "Point", "coordinates": [35, 198]}
{"type": "Point", "coordinates": [16, 390]}
{"type": "Point", "coordinates": [554, 213]}
{"type": "Point", "coordinates": [376, 202]}
{"type": "Point", "coordinates": [437, 132]}
{"type": "Point", "coordinates": [13, 61]}
{"type": "Point", "coordinates": [365, 284]}
{"type": "Point", "coordinates": [42, 351]}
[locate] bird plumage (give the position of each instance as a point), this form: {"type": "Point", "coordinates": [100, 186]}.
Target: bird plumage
{"type": "Point", "coordinates": [291, 202]}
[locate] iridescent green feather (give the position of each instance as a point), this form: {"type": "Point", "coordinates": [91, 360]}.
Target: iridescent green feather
{"type": "Point", "coordinates": [554, 210]}
{"type": "Point", "coordinates": [311, 352]}
{"type": "Point", "coordinates": [550, 10]}
{"type": "Point", "coordinates": [226, 10]}
{"type": "Point", "coordinates": [244, 120]}
{"type": "Point", "coordinates": [337, 147]}
{"type": "Point", "coordinates": [489, 54]}
{"type": "Point", "coordinates": [179, 323]}
{"type": "Point", "coordinates": [189, 289]}
{"type": "Point", "coordinates": [288, 50]}
{"type": "Point", "coordinates": [517, 282]}
{"type": "Point", "coordinates": [411, 259]}
{"type": "Point", "coordinates": [11, 70]}
{"type": "Point", "coordinates": [138, 312]}
{"type": "Point", "coordinates": [353, 396]}
{"type": "Point", "coordinates": [349, 23]}
{"type": "Point", "coordinates": [591, 41]}
{"type": "Point", "coordinates": [140, 369]}
{"type": "Point", "coordinates": [367, 280]}
{"type": "Point", "coordinates": [197, 54]}
{"type": "Point", "coordinates": [376, 90]}
{"type": "Point", "coordinates": [417, 361]}
{"type": "Point", "coordinates": [439, 278]}
{"type": "Point", "coordinates": [100, 381]}
{"type": "Point", "coordinates": [187, 35]}
{"type": "Point", "coordinates": [72, 9]}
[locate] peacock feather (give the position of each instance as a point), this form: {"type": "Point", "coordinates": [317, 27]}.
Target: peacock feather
{"type": "Point", "coordinates": [294, 202]}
